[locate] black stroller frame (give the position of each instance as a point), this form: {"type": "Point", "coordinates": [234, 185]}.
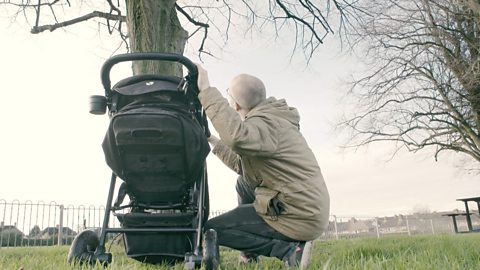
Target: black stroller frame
{"type": "Point", "coordinates": [88, 247]}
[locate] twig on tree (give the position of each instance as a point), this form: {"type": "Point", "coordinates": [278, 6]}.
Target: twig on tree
{"type": "Point", "coordinates": [113, 7]}
{"type": "Point", "coordinates": [197, 23]}
{"type": "Point", "coordinates": [37, 10]}
{"type": "Point", "coordinates": [290, 15]}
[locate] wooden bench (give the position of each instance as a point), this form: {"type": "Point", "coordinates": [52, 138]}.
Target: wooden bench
{"type": "Point", "coordinates": [467, 210]}
{"type": "Point", "coordinates": [454, 219]}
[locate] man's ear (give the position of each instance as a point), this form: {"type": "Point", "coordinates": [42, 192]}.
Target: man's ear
{"type": "Point", "coordinates": [237, 107]}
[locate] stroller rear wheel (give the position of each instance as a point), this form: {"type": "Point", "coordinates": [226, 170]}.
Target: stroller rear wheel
{"type": "Point", "coordinates": [211, 253]}
{"type": "Point", "coordinates": [83, 248]}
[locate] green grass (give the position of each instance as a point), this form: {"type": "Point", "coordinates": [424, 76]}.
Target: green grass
{"type": "Point", "coordinates": [460, 251]}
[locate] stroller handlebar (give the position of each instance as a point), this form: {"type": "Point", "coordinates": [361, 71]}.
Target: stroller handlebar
{"type": "Point", "coordinates": [127, 57]}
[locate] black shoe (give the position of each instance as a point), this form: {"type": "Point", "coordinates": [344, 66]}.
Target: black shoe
{"type": "Point", "coordinates": [294, 256]}
{"type": "Point", "coordinates": [247, 258]}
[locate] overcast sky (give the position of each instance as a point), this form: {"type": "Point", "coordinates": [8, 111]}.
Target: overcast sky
{"type": "Point", "coordinates": [50, 144]}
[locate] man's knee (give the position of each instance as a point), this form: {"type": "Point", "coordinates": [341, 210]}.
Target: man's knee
{"type": "Point", "coordinates": [243, 187]}
{"type": "Point", "coordinates": [207, 226]}
{"type": "Point", "coordinates": [212, 223]}
{"type": "Point", "coordinates": [245, 193]}
{"type": "Point", "coordinates": [240, 185]}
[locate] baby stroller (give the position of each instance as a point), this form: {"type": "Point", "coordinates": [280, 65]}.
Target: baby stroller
{"type": "Point", "coordinates": [157, 144]}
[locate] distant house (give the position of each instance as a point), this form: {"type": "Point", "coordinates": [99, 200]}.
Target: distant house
{"type": "Point", "coordinates": [10, 230]}
{"type": "Point", "coordinates": [395, 224]}
{"type": "Point", "coordinates": [355, 226]}
{"type": "Point", "coordinates": [10, 235]}
{"type": "Point", "coordinates": [352, 226]}
{"type": "Point", "coordinates": [53, 231]}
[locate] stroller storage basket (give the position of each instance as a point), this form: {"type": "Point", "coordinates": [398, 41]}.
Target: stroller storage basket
{"type": "Point", "coordinates": [154, 247]}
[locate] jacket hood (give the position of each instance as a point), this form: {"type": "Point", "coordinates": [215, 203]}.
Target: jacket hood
{"type": "Point", "coordinates": [276, 107]}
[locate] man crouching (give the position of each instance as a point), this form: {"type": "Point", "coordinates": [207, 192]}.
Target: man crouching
{"type": "Point", "coordinates": [282, 196]}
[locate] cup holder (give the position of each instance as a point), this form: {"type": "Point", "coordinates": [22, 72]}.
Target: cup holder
{"type": "Point", "coordinates": [98, 104]}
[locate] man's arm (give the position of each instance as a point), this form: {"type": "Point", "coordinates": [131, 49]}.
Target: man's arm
{"type": "Point", "coordinates": [227, 156]}
{"type": "Point", "coordinates": [213, 140]}
{"type": "Point", "coordinates": [244, 138]}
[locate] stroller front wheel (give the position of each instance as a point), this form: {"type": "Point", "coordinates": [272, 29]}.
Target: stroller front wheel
{"type": "Point", "coordinates": [83, 248]}
{"type": "Point", "coordinates": [211, 253]}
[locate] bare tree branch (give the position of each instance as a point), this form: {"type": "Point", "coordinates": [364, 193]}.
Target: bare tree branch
{"type": "Point", "coordinates": [94, 14]}
{"type": "Point", "coordinates": [424, 85]}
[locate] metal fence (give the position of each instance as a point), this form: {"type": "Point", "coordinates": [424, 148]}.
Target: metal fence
{"type": "Point", "coordinates": [41, 223]}
{"type": "Point", "coordinates": [413, 224]}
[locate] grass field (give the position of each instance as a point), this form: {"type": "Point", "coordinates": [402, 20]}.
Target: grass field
{"type": "Point", "coordinates": [460, 251]}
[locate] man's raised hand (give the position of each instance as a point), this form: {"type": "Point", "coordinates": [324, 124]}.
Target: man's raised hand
{"type": "Point", "coordinates": [202, 82]}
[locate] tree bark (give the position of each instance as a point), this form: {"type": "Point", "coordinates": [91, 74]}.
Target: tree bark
{"type": "Point", "coordinates": [153, 26]}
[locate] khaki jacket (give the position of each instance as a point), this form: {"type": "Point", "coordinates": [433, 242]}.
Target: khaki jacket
{"type": "Point", "coordinates": [268, 149]}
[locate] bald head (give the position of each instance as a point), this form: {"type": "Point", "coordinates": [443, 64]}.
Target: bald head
{"type": "Point", "coordinates": [247, 90]}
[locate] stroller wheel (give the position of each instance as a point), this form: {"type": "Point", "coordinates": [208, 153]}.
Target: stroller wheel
{"type": "Point", "coordinates": [83, 248]}
{"type": "Point", "coordinates": [211, 254]}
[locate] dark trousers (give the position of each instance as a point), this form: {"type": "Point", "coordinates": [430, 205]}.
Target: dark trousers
{"type": "Point", "coordinates": [243, 229]}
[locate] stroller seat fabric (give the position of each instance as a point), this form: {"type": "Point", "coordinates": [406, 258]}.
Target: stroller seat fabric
{"type": "Point", "coordinates": [156, 147]}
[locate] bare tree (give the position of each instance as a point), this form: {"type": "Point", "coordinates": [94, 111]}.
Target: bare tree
{"type": "Point", "coordinates": [422, 89]}
{"type": "Point", "coordinates": [158, 26]}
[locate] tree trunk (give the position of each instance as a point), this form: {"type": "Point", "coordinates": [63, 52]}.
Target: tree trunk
{"type": "Point", "coordinates": [153, 26]}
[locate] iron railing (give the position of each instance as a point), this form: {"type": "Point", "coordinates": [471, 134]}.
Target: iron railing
{"type": "Point", "coordinates": [50, 223]}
